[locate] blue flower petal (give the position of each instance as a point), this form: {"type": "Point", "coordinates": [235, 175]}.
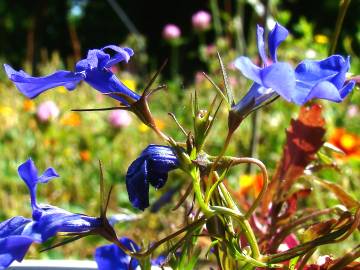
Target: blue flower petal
{"type": "Point", "coordinates": [324, 90]}
{"type": "Point", "coordinates": [151, 167]}
{"type": "Point", "coordinates": [29, 173]}
{"type": "Point", "coordinates": [326, 69]}
{"type": "Point", "coordinates": [96, 59]}
{"type": "Point", "coordinates": [276, 36]}
{"type": "Point", "coordinates": [106, 82]}
{"type": "Point", "coordinates": [13, 245]}
{"type": "Point", "coordinates": [261, 43]}
{"type": "Point", "coordinates": [280, 77]}
{"type": "Point", "coordinates": [248, 69]}
{"type": "Point", "coordinates": [347, 89]}
{"type": "Point", "coordinates": [137, 184]}
{"type": "Point", "coordinates": [121, 54]}
{"type": "Point", "coordinates": [33, 86]}
{"type": "Point", "coordinates": [49, 174]}
{"type": "Point", "coordinates": [13, 248]}
{"type": "Point", "coordinates": [49, 220]}
{"type": "Point", "coordinates": [112, 257]}
{"type": "Point", "coordinates": [13, 226]}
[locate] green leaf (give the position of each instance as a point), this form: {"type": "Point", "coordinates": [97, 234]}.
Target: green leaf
{"type": "Point", "coordinates": [230, 96]}
{"type": "Point", "coordinates": [293, 262]}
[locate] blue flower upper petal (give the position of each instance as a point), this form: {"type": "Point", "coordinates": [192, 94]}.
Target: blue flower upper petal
{"type": "Point", "coordinates": [121, 54]}
{"type": "Point", "coordinates": [33, 86]}
{"type": "Point", "coordinates": [29, 173]}
{"type": "Point", "coordinates": [280, 77]}
{"type": "Point", "coordinates": [151, 167]}
{"type": "Point", "coordinates": [261, 43]}
{"type": "Point", "coordinates": [248, 69]}
{"type": "Point", "coordinates": [111, 257]}
{"type": "Point", "coordinates": [277, 35]}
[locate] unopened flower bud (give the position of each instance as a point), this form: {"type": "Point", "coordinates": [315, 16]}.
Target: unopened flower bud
{"type": "Point", "coordinates": [201, 20]}
{"type": "Point", "coordinates": [171, 32]}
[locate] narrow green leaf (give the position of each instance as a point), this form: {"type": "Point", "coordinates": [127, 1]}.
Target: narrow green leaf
{"type": "Point", "coordinates": [293, 262]}
{"type": "Point", "coordinates": [229, 93]}
{"type": "Point", "coordinates": [219, 91]}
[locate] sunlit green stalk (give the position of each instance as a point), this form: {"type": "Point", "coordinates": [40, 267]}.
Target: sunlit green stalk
{"type": "Point", "coordinates": [216, 15]}
{"type": "Point", "coordinates": [344, 4]}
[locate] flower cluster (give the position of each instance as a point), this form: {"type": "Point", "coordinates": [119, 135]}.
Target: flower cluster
{"type": "Point", "coordinates": [324, 79]}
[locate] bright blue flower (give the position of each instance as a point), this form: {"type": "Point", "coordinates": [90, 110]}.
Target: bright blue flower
{"type": "Point", "coordinates": [48, 219]}
{"type": "Point", "coordinates": [18, 233]}
{"type": "Point", "coordinates": [151, 167]}
{"type": "Point", "coordinates": [95, 70]}
{"type": "Point", "coordinates": [323, 79]}
{"type": "Point", "coordinates": [111, 257]}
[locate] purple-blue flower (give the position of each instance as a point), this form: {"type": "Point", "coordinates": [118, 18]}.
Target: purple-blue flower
{"type": "Point", "coordinates": [18, 233]}
{"type": "Point", "coordinates": [95, 70]}
{"type": "Point", "coordinates": [48, 219]}
{"type": "Point", "coordinates": [151, 167]}
{"type": "Point", "coordinates": [111, 257]}
{"type": "Point", "coordinates": [323, 79]}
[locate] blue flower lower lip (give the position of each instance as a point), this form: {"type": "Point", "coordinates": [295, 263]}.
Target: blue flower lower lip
{"type": "Point", "coordinates": [94, 70]}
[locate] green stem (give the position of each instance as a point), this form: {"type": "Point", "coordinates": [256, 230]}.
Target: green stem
{"type": "Point", "coordinates": [216, 14]}
{"type": "Point", "coordinates": [198, 193]}
{"type": "Point", "coordinates": [344, 4]}
{"type": "Point", "coordinates": [174, 67]}
{"type": "Point", "coordinates": [146, 253]}
{"type": "Point", "coordinates": [244, 224]}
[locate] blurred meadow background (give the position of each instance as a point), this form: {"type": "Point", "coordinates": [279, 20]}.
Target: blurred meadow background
{"type": "Point", "coordinates": [43, 36]}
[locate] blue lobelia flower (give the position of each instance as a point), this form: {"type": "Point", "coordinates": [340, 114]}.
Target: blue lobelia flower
{"type": "Point", "coordinates": [151, 167]}
{"type": "Point", "coordinates": [323, 79]}
{"type": "Point", "coordinates": [18, 233]}
{"type": "Point", "coordinates": [48, 219]}
{"type": "Point", "coordinates": [95, 70]}
{"type": "Point", "coordinates": [111, 257]}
